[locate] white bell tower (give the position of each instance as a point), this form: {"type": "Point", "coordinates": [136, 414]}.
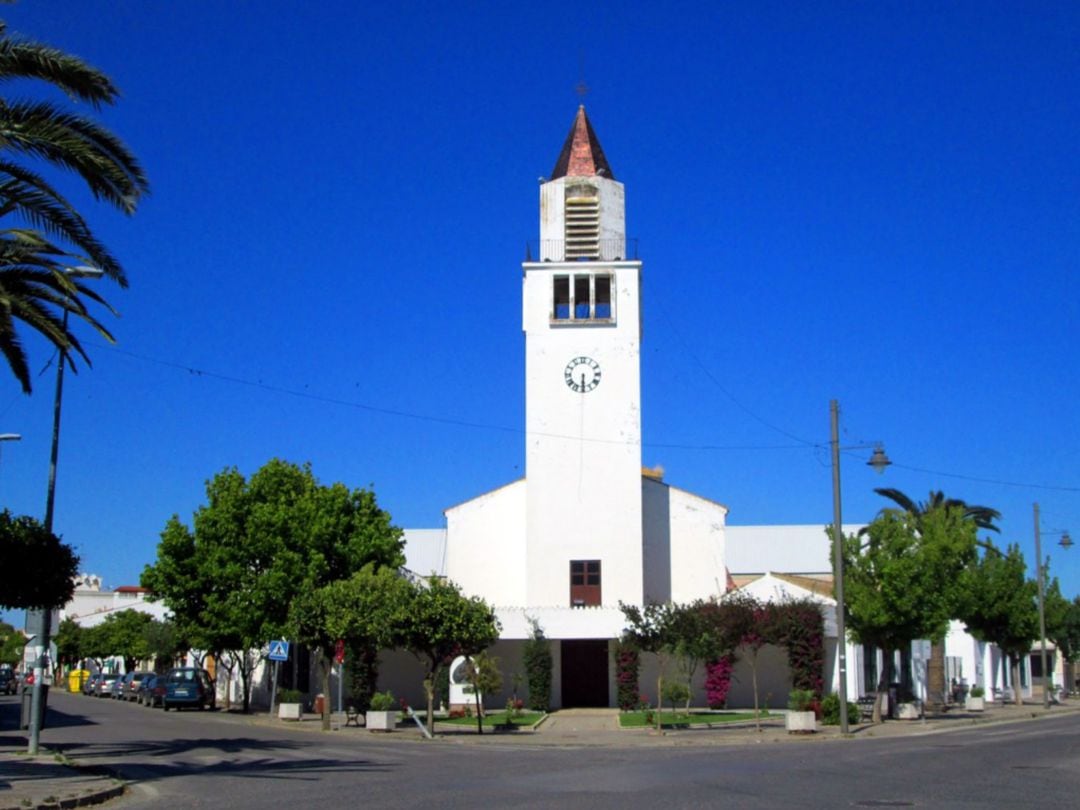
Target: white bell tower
{"type": "Point", "coordinates": [582, 321]}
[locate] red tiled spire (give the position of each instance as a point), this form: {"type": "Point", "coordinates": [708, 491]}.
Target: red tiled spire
{"type": "Point", "coordinates": [581, 155]}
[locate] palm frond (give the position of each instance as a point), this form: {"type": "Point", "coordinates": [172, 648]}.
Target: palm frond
{"type": "Point", "coordinates": [25, 195]}
{"type": "Point", "coordinates": [24, 59]}
{"type": "Point", "coordinates": [109, 168]}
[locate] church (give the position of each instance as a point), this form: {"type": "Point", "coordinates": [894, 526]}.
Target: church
{"type": "Point", "coordinates": [591, 527]}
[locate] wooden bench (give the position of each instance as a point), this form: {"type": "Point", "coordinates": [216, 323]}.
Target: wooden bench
{"type": "Point", "coordinates": [866, 706]}
{"type": "Point", "coordinates": [352, 716]}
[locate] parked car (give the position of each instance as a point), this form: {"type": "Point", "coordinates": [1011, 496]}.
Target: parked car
{"type": "Point", "coordinates": [8, 684]}
{"type": "Point", "coordinates": [89, 683]}
{"type": "Point", "coordinates": [132, 681]}
{"type": "Point", "coordinates": [105, 681]}
{"type": "Point", "coordinates": [188, 686]}
{"type": "Point", "coordinates": [116, 689]}
{"type": "Point", "coordinates": [151, 689]}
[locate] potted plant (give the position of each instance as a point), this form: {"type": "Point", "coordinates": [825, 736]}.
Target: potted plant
{"type": "Point", "coordinates": [290, 707]}
{"type": "Point", "coordinates": [976, 700]}
{"type": "Point", "coordinates": [800, 718]}
{"type": "Point", "coordinates": [382, 714]}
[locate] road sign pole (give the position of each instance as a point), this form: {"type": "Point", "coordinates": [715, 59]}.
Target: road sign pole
{"type": "Point", "coordinates": [273, 687]}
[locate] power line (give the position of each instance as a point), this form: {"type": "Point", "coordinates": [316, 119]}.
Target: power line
{"type": "Point", "coordinates": [803, 444]}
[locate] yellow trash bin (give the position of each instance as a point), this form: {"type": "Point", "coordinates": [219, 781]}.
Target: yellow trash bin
{"type": "Point", "coordinates": [76, 679]}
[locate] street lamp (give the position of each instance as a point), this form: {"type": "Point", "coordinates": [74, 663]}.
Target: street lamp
{"type": "Point", "coordinates": [1065, 542]}
{"type": "Point", "coordinates": [10, 437]}
{"type": "Point", "coordinates": [879, 461]}
{"type": "Point", "coordinates": [42, 618]}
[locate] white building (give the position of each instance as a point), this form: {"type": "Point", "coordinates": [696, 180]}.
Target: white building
{"type": "Point", "coordinates": [591, 527]}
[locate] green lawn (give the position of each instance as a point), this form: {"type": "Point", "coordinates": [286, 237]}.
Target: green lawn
{"type": "Point", "coordinates": [526, 719]}
{"type": "Point", "coordinates": [694, 718]}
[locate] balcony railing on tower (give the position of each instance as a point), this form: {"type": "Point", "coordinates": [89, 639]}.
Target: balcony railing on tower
{"type": "Point", "coordinates": [596, 250]}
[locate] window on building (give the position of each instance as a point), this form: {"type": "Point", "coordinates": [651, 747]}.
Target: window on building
{"type": "Point", "coordinates": [582, 297]}
{"type": "Point", "coordinates": [602, 308]}
{"type": "Point", "coordinates": [584, 583]}
{"type": "Point", "coordinates": [582, 222]}
{"type": "Point", "coordinates": [561, 298]}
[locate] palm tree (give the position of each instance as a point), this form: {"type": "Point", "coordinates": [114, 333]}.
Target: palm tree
{"type": "Point", "coordinates": [33, 280]}
{"type": "Point", "coordinates": [33, 259]}
{"type": "Point", "coordinates": [983, 517]}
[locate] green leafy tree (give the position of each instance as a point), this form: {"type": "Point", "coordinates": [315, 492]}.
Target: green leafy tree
{"type": "Point", "coordinates": [900, 578]}
{"type": "Point", "coordinates": [69, 642]}
{"type": "Point", "coordinates": [650, 630]}
{"type": "Point", "coordinates": [164, 643]}
{"type": "Point", "coordinates": [999, 604]}
{"type": "Point", "coordinates": [96, 644]}
{"type": "Point", "coordinates": [126, 636]}
{"type": "Point", "coordinates": [483, 675]}
{"type": "Point", "coordinates": [38, 569]}
{"type": "Point", "coordinates": [752, 621]}
{"type": "Point", "coordinates": [12, 643]}
{"type": "Point", "coordinates": [257, 544]}
{"type": "Point", "coordinates": [1068, 641]}
{"type": "Point", "coordinates": [536, 655]}
{"type": "Point", "coordinates": [33, 258]}
{"type": "Point", "coordinates": [983, 517]}
{"type": "Point", "coordinates": [694, 643]}
{"type": "Point", "coordinates": [368, 610]}
{"type": "Point", "coordinates": [443, 623]}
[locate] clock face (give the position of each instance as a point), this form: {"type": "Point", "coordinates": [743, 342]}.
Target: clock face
{"type": "Point", "coordinates": [582, 374]}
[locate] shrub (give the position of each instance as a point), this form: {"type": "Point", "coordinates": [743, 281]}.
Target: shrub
{"type": "Point", "coordinates": [290, 696]}
{"type": "Point", "coordinates": [801, 700]}
{"type": "Point", "coordinates": [382, 701]}
{"type": "Point", "coordinates": [718, 681]}
{"type": "Point", "coordinates": [977, 691]}
{"type": "Point", "coordinates": [627, 666]}
{"type": "Point", "coordinates": [363, 674]}
{"type": "Point", "coordinates": [676, 693]}
{"type": "Point", "coordinates": [537, 659]}
{"type": "Point", "coordinates": [830, 711]}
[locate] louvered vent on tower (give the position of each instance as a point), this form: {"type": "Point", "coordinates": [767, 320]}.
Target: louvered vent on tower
{"type": "Point", "coordinates": [582, 222]}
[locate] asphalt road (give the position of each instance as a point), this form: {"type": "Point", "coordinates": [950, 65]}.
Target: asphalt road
{"type": "Point", "coordinates": [194, 759]}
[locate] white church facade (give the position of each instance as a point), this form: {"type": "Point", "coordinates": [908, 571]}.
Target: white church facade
{"type": "Point", "coordinates": [592, 527]}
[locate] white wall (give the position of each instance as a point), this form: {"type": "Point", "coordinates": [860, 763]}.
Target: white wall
{"type": "Point", "coordinates": [485, 552]}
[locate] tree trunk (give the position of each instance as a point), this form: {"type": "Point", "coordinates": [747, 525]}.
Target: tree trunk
{"type": "Point", "coordinates": [935, 678]}
{"type": "Point", "coordinates": [882, 687]}
{"type": "Point", "coordinates": [1018, 698]}
{"type": "Point", "coordinates": [753, 678]}
{"type": "Point", "coordinates": [659, 699]}
{"type": "Point", "coordinates": [429, 691]}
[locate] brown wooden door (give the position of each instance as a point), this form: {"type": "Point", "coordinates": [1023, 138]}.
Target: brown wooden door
{"type": "Point", "coordinates": [584, 673]}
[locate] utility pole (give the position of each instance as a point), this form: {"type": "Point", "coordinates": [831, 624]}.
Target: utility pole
{"type": "Point", "coordinates": [1039, 568]}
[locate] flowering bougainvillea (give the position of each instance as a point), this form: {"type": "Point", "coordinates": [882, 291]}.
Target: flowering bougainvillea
{"type": "Point", "coordinates": [627, 664]}
{"type": "Point", "coordinates": [718, 681]}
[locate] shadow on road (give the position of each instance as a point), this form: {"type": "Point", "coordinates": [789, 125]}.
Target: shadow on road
{"type": "Point", "coordinates": [236, 756]}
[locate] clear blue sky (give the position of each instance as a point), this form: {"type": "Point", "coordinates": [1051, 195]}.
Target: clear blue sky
{"type": "Point", "coordinates": [874, 202]}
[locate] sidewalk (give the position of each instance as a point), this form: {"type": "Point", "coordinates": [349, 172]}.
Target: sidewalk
{"type": "Point", "coordinates": [48, 781]}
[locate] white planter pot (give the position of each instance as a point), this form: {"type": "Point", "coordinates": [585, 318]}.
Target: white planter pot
{"type": "Point", "coordinates": [380, 721]}
{"type": "Point", "coordinates": [908, 711]}
{"type": "Point", "coordinates": [975, 704]}
{"type": "Point", "coordinates": [288, 711]}
{"type": "Point", "coordinates": [800, 722]}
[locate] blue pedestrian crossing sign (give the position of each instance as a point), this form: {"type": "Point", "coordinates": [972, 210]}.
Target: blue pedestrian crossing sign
{"type": "Point", "coordinates": [279, 651]}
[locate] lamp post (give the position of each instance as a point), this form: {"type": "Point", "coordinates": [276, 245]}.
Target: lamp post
{"type": "Point", "coordinates": [1040, 570]}
{"type": "Point", "coordinates": [10, 437]}
{"type": "Point", "coordinates": [42, 617]}
{"type": "Point", "coordinates": [879, 461]}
